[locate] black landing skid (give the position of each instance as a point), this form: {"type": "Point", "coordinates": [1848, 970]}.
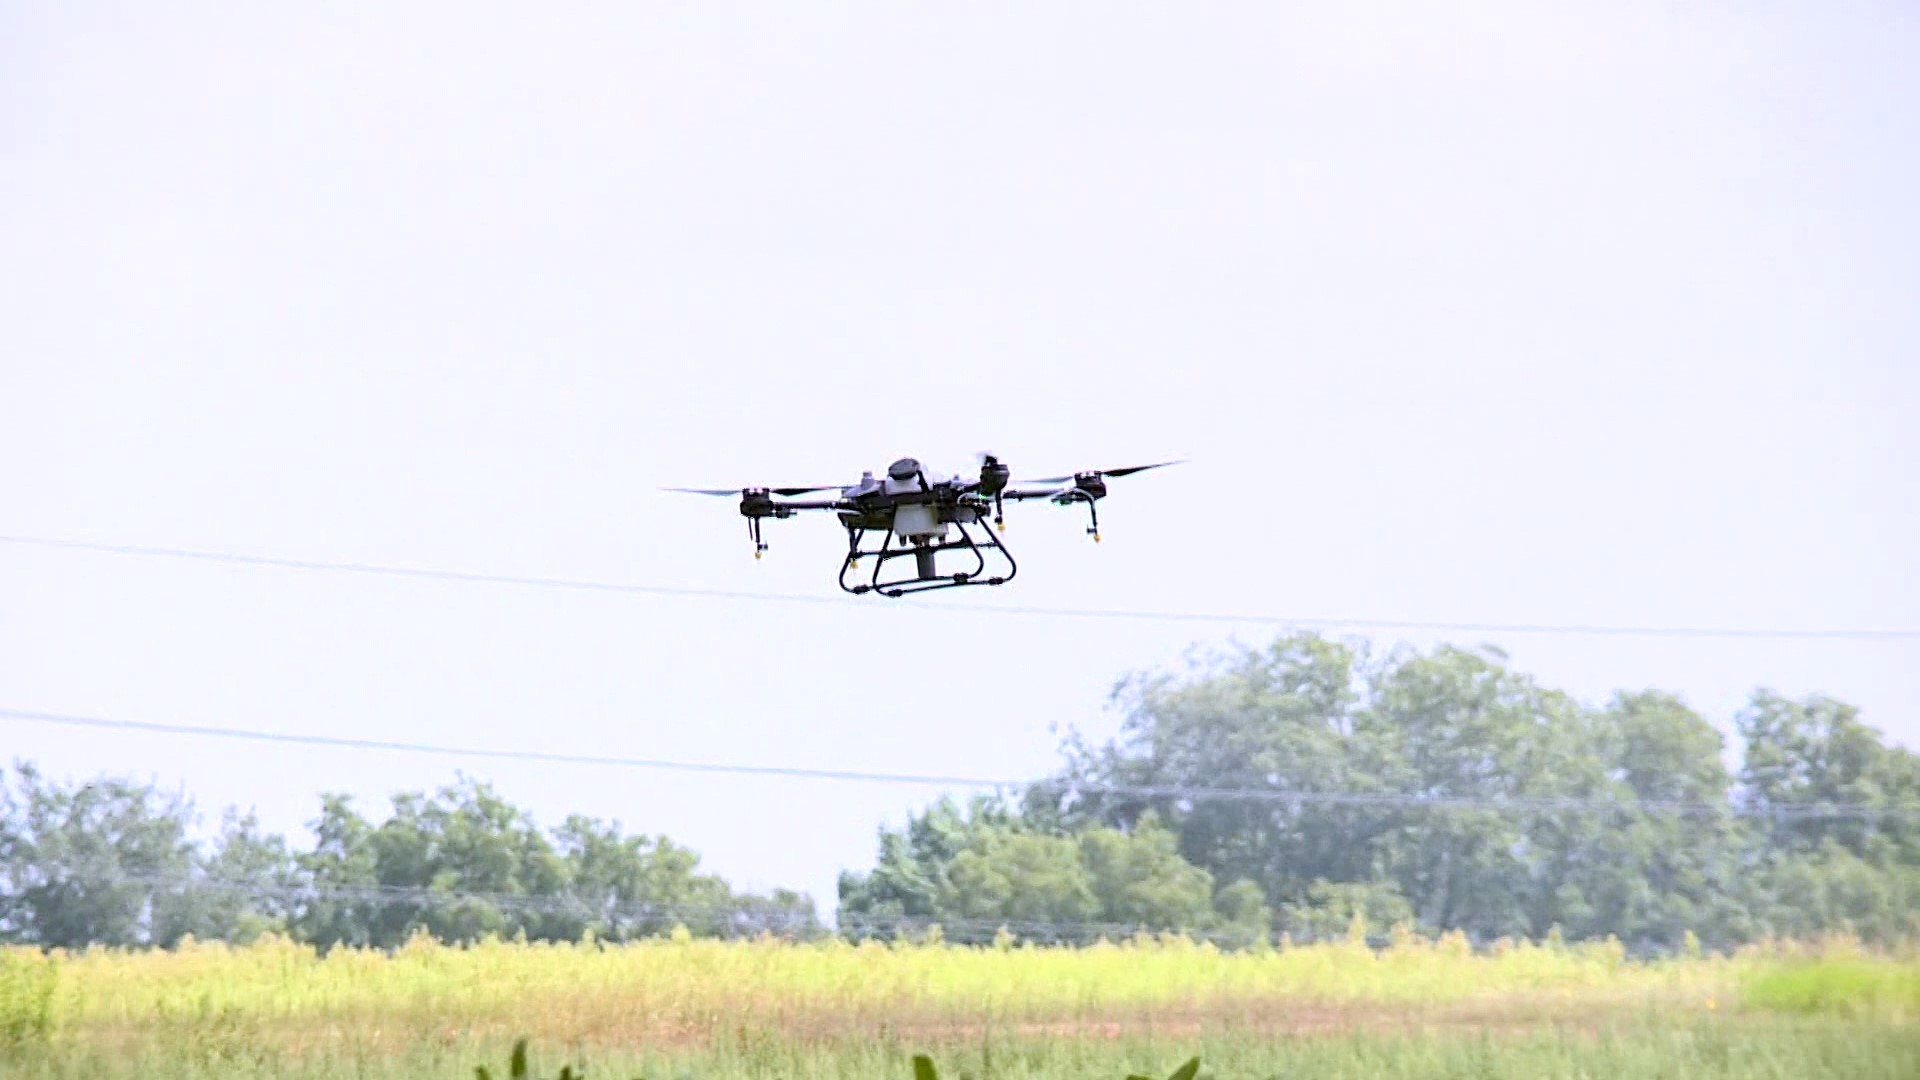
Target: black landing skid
{"type": "Point", "coordinates": [925, 554]}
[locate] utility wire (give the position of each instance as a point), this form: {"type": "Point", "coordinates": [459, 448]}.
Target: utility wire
{"type": "Point", "coordinates": [727, 918]}
{"type": "Point", "coordinates": [734, 915]}
{"type": "Point", "coordinates": [1067, 787]}
{"type": "Point", "coordinates": [576, 584]}
{"type": "Point", "coordinates": [644, 919]}
{"type": "Point", "coordinates": [640, 589]}
{"type": "Point", "coordinates": [566, 903]}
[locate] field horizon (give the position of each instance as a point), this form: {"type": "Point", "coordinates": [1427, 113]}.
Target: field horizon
{"type": "Point", "coordinates": [764, 1008]}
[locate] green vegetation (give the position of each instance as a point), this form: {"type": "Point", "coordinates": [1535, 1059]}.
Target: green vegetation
{"type": "Point", "coordinates": [923, 1068]}
{"type": "Point", "coordinates": [1307, 715]}
{"type": "Point", "coordinates": [731, 1010]}
{"type": "Point", "coordinates": [109, 862]}
{"type": "Point", "coordinates": [27, 983]}
{"type": "Point", "coordinates": [1707, 1050]}
{"type": "Point", "coordinates": [517, 1068]}
{"type": "Point", "coordinates": [1064, 932]}
{"type": "Point", "coordinates": [1840, 986]}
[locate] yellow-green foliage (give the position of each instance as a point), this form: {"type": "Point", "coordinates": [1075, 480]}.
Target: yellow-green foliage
{"type": "Point", "coordinates": [27, 982]}
{"type": "Point", "coordinates": [1843, 986]}
{"type": "Point", "coordinates": [770, 1008]}
{"type": "Point", "coordinates": [695, 984]}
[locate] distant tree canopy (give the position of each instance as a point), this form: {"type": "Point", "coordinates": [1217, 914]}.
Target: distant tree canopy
{"type": "Point", "coordinates": [109, 863]}
{"type": "Point", "coordinates": [977, 871]}
{"type": "Point", "coordinates": [113, 862]}
{"type": "Point", "coordinates": [1310, 715]}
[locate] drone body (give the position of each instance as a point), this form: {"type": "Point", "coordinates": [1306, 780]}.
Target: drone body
{"type": "Point", "coordinates": [921, 514]}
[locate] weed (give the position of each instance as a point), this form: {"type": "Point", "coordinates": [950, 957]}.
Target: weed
{"type": "Point", "coordinates": [27, 983]}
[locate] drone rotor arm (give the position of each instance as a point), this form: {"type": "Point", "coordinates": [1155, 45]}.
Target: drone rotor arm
{"type": "Point", "coordinates": [1022, 495]}
{"type": "Point", "coordinates": [816, 504]}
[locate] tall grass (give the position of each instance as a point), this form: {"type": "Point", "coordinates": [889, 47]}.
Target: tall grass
{"type": "Point", "coordinates": [27, 983]}
{"type": "Point", "coordinates": [1854, 986]}
{"type": "Point", "coordinates": [695, 981]}
{"type": "Point", "coordinates": [1694, 1049]}
{"type": "Point", "coordinates": [768, 1008]}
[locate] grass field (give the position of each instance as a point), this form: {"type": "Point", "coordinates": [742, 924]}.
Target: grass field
{"type": "Point", "coordinates": [767, 1009]}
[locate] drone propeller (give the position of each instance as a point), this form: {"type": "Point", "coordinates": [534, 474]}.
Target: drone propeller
{"type": "Point", "coordinates": [1128, 471]}
{"type": "Point", "coordinates": [743, 491]}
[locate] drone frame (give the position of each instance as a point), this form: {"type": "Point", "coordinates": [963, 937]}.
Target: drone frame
{"type": "Point", "coordinates": [953, 502]}
{"type": "Point", "coordinates": [1091, 495]}
{"type": "Point", "coordinates": [924, 556]}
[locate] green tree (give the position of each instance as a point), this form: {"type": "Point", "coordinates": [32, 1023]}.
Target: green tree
{"type": "Point", "coordinates": [1460, 725]}
{"type": "Point", "coordinates": [1539, 813]}
{"type": "Point", "coordinates": [464, 863]}
{"type": "Point", "coordinates": [1804, 755]}
{"type": "Point", "coordinates": [976, 870]}
{"type": "Point", "coordinates": [244, 887]}
{"type": "Point", "coordinates": [111, 862]}
{"type": "Point", "coordinates": [1306, 716]}
{"type": "Point", "coordinates": [487, 855]}
{"type": "Point", "coordinates": [1285, 719]}
{"type": "Point", "coordinates": [1139, 879]}
{"type": "Point", "coordinates": [1328, 910]}
{"type": "Point", "coordinates": [909, 882]}
{"type": "Point", "coordinates": [1830, 888]}
{"type": "Point", "coordinates": [341, 868]}
{"type": "Point", "coordinates": [81, 864]}
{"type": "Point", "coordinates": [635, 886]}
{"type": "Point", "coordinates": [1652, 875]}
{"type": "Point", "coordinates": [1242, 916]}
{"type": "Point", "coordinates": [1005, 875]}
{"type": "Point", "coordinates": [1812, 870]}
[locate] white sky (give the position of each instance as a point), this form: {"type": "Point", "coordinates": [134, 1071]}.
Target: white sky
{"type": "Point", "coordinates": [1542, 313]}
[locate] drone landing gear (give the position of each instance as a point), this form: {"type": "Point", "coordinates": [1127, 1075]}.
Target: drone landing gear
{"type": "Point", "coordinates": [925, 554]}
{"type": "Point", "coordinates": [1093, 510]}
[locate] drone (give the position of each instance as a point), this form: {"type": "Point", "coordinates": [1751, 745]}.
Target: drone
{"type": "Point", "coordinates": [920, 514]}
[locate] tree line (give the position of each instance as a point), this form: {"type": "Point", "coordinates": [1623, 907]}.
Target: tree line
{"type": "Point", "coordinates": [113, 862]}
{"type": "Point", "coordinates": [1642, 829]}
{"type": "Point", "coordinates": [1624, 819]}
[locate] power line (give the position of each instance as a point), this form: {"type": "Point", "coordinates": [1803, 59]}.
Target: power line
{"type": "Point", "coordinates": [548, 756]}
{"type": "Point", "coordinates": [739, 918]}
{"type": "Point", "coordinates": [576, 584]}
{"type": "Point", "coordinates": [741, 912]}
{"type": "Point", "coordinates": [567, 903]}
{"type": "Point", "coordinates": [728, 919]}
{"type": "Point", "coordinates": [1190, 794]}
{"type": "Point", "coordinates": [737, 915]}
{"type": "Point", "coordinates": [642, 589]}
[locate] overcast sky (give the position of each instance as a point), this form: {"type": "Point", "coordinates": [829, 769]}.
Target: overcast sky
{"type": "Point", "coordinates": [1582, 313]}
